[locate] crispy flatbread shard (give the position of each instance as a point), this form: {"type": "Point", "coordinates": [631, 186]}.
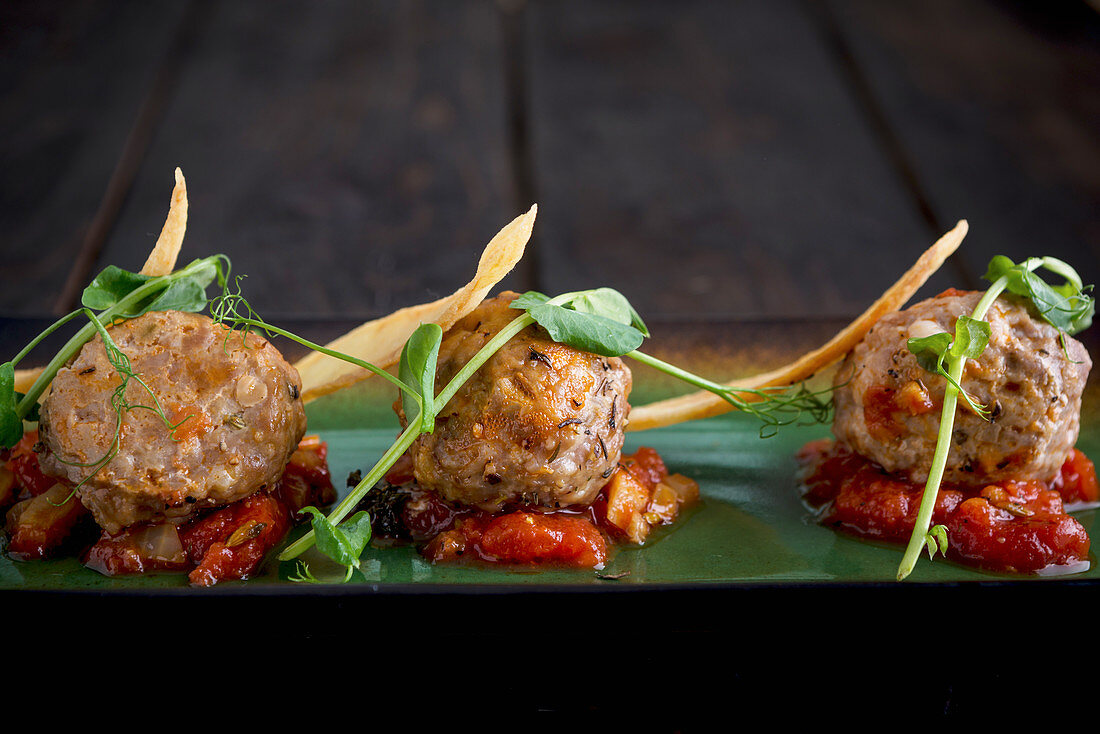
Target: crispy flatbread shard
{"type": "Point", "coordinates": [380, 341]}
{"type": "Point", "coordinates": [162, 260]}
{"type": "Point", "coordinates": [704, 404]}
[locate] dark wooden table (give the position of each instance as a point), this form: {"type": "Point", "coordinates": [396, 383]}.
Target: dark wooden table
{"type": "Point", "coordinates": [716, 159]}
{"type": "Point", "coordinates": [711, 160]}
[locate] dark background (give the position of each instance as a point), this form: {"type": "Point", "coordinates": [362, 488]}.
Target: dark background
{"type": "Point", "coordinates": [733, 160]}
{"type": "Point", "coordinates": [714, 161]}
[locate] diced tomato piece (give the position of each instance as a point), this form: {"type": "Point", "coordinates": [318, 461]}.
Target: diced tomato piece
{"type": "Point", "coordinates": [626, 500]}
{"type": "Point", "coordinates": [40, 525]}
{"type": "Point", "coordinates": [28, 474]}
{"type": "Point", "coordinates": [529, 537]}
{"type": "Point", "coordinates": [231, 542]}
{"type": "Point", "coordinates": [453, 544]}
{"type": "Point", "coordinates": [1077, 480]}
{"type": "Point", "coordinates": [827, 464]}
{"type": "Point", "coordinates": [880, 412]}
{"type": "Point", "coordinates": [999, 540]}
{"type": "Point", "coordinates": [646, 465]}
{"type": "Point", "coordinates": [306, 481]}
{"type": "Point", "coordinates": [190, 422]}
{"type": "Point", "coordinates": [952, 292]}
{"type": "Point", "coordinates": [426, 514]}
{"type": "Point", "coordinates": [1014, 526]}
{"type": "Point", "coordinates": [23, 463]}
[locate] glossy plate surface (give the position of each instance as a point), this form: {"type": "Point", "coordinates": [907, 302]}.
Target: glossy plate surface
{"type": "Point", "coordinates": [751, 528]}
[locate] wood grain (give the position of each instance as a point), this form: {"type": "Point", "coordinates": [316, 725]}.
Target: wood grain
{"type": "Point", "coordinates": [351, 158]}
{"type": "Point", "coordinates": [997, 104]}
{"type": "Point", "coordinates": [708, 161]}
{"type": "Point", "coordinates": [73, 80]}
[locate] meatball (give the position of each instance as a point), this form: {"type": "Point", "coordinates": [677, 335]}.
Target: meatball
{"type": "Point", "coordinates": [239, 404]}
{"type": "Point", "coordinates": [888, 408]}
{"type": "Point", "coordinates": [540, 423]}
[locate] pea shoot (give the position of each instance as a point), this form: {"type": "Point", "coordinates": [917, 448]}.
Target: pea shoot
{"type": "Point", "coordinates": [1068, 307]}
{"type": "Point", "coordinates": [115, 295]}
{"type": "Point", "coordinates": [600, 321]}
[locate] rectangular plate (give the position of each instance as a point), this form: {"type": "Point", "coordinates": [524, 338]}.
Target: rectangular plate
{"type": "Point", "coordinates": [750, 531]}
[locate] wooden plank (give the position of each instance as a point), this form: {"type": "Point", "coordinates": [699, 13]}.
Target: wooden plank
{"type": "Point", "coordinates": [349, 157]}
{"type": "Point", "coordinates": [73, 77]}
{"type": "Point", "coordinates": [997, 103]}
{"type": "Point", "coordinates": [709, 160]}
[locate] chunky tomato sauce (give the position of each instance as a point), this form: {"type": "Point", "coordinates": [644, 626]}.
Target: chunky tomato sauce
{"type": "Point", "coordinates": [639, 496]}
{"type": "Point", "coordinates": [1013, 526]}
{"type": "Point", "coordinates": [226, 543]}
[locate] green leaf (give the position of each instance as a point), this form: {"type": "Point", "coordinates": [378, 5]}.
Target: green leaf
{"type": "Point", "coordinates": [936, 540]}
{"type": "Point", "coordinates": [188, 294]}
{"type": "Point", "coordinates": [611, 304]}
{"type": "Point", "coordinates": [931, 350]}
{"type": "Point", "coordinates": [528, 300]}
{"type": "Point", "coordinates": [998, 267]}
{"type": "Point", "coordinates": [11, 425]}
{"type": "Point", "coordinates": [342, 543]}
{"type": "Point", "coordinates": [417, 370]}
{"type": "Point", "coordinates": [1067, 307]}
{"type": "Point", "coordinates": [1064, 269]}
{"type": "Point", "coordinates": [971, 337]}
{"type": "Point", "coordinates": [587, 332]}
{"type": "Point", "coordinates": [111, 286]}
{"type": "Point", "coordinates": [1069, 313]}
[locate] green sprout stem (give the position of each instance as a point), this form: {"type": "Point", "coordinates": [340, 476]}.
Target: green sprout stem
{"type": "Point", "coordinates": [770, 400]}
{"type": "Point", "coordinates": [41, 337]}
{"type": "Point", "coordinates": [260, 324]}
{"type": "Point", "coordinates": [88, 331]}
{"type": "Point", "coordinates": [399, 447]}
{"type": "Point", "coordinates": [410, 434]}
{"type": "Point", "coordinates": [955, 365]}
{"type": "Point", "coordinates": [419, 425]}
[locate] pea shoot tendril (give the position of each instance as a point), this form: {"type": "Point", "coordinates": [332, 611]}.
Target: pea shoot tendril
{"type": "Point", "coordinates": [1067, 307]}
{"type": "Point", "coordinates": [600, 321]}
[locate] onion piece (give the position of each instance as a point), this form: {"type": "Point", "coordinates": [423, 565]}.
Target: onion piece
{"type": "Point", "coordinates": [160, 542]}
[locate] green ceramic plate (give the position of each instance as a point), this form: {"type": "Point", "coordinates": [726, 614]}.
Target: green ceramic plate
{"type": "Point", "coordinates": [750, 530]}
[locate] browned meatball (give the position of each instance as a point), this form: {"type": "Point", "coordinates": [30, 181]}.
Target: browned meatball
{"type": "Point", "coordinates": [540, 423]}
{"type": "Point", "coordinates": [888, 408]}
{"type": "Point", "coordinates": [246, 420]}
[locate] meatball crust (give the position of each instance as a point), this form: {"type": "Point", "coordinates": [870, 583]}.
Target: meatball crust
{"type": "Point", "coordinates": [888, 408]}
{"type": "Point", "coordinates": [246, 418]}
{"type": "Point", "coordinates": [540, 423]}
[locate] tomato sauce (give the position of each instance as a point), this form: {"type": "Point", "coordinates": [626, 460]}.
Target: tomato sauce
{"type": "Point", "coordinates": [1011, 526]}
{"type": "Point", "coordinates": [220, 544]}
{"type": "Point", "coordinates": [23, 463]}
{"type": "Point", "coordinates": [638, 497]}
